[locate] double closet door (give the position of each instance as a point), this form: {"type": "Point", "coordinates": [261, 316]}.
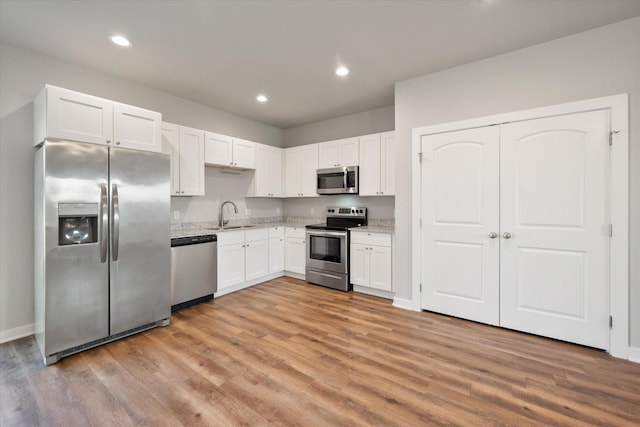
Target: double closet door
{"type": "Point", "coordinates": [516, 227]}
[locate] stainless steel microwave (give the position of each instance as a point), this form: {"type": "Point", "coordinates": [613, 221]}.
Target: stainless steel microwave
{"type": "Point", "coordinates": [342, 180]}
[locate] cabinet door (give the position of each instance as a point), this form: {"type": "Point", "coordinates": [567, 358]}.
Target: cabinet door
{"type": "Point", "coordinates": [308, 174]}
{"type": "Point", "coordinates": [380, 267]}
{"type": "Point", "coordinates": [218, 149]}
{"type": "Point", "coordinates": [276, 255]}
{"type": "Point", "coordinates": [191, 162]}
{"type": "Point", "coordinates": [359, 264]}
{"type": "Point", "coordinates": [369, 184]}
{"type": "Point", "coordinates": [262, 176]}
{"type": "Point", "coordinates": [295, 257]}
{"type": "Point", "coordinates": [348, 151]}
{"type": "Point", "coordinates": [230, 265]}
{"type": "Point", "coordinates": [276, 172]}
{"type": "Point", "coordinates": [293, 171]}
{"type": "Point", "coordinates": [267, 181]}
{"type": "Point", "coordinates": [328, 154]}
{"type": "Point", "coordinates": [257, 259]}
{"type": "Point", "coordinates": [75, 116]}
{"type": "Point", "coordinates": [244, 153]}
{"type": "Point", "coordinates": [171, 146]}
{"type": "Point", "coordinates": [388, 164]}
{"type": "Point", "coordinates": [136, 128]}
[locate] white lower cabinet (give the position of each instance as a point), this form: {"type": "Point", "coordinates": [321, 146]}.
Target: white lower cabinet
{"type": "Point", "coordinates": [256, 259]}
{"type": "Point", "coordinates": [371, 261]}
{"type": "Point", "coordinates": [295, 250]}
{"type": "Point", "coordinates": [276, 249]}
{"type": "Point", "coordinates": [231, 258]}
{"type": "Point", "coordinates": [244, 256]}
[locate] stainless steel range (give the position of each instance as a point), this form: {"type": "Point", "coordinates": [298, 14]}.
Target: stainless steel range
{"type": "Point", "coordinates": [328, 247]}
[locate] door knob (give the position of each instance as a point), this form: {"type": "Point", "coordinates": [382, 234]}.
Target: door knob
{"type": "Point", "coordinates": [507, 235]}
{"type": "Point", "coordinates": [493, 235]}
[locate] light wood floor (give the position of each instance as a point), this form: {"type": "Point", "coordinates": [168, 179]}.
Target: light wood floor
{"type": "Point", "coordinates": [289, 353]}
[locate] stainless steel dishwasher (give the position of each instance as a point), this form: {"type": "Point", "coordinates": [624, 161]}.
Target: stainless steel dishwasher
{"type": "Point", "coordinates": [194, 270]}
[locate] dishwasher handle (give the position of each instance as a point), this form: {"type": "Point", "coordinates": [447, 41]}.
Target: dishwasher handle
{"type": "Point", "coordinates": [193, 240]}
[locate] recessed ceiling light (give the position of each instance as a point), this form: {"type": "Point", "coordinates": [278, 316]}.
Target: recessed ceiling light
{"type": "Point", "coordinates": [120, 40]}
{"type": "Point", "coordinates": [342, 71]}
{"type": "Point", "coordinates": [262, 98]}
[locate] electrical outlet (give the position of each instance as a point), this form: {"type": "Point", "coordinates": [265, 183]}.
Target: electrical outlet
{"type": "Point", "coordinates": [176, 215]}
{"type": "Point", "coordinates": [313, 211]}
{"type": "Point", "coordinates": [277, 211]}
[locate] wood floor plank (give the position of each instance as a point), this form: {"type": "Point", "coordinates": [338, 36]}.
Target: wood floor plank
{"type": "Point", "coordinates": [292, 354]}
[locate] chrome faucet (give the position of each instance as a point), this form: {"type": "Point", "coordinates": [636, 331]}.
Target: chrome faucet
{"type": "Point", "coordinates": [221, 221]}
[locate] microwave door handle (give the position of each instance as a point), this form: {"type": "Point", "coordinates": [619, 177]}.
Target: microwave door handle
{"type": "Point", "coordinates": [344, 179]}
{"type": "Point", "coordinates": [104, 222]}
{"type": "Point", "coordinates": [115, 222]}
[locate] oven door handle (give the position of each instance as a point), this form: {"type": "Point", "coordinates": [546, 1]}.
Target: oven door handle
{"type": "Point", "coordinates": [327, 233]}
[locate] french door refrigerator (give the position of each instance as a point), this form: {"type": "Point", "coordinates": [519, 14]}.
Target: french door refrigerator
{"type": "Point", "coordinates": [102, 245]}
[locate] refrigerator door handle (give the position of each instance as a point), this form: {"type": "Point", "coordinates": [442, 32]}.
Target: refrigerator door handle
{"type": "Point", "coordinates": [104, 222]}
{"type": "Point", "coordinates": [115, 222]}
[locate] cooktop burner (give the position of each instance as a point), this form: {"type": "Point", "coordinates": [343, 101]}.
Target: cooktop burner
{"type": "Point", "coordinates": [340, 219]}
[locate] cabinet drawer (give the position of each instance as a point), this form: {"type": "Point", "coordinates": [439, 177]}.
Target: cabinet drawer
{"type": "Point", "coordinates": [230, 238]}
{"type": "Point", "coordinates": [298, 232]}
{"type": "Point", "coordinates": [276, 232]}
{"type": "Point", "coordinates": [256, 234]}
{"type": "Point", "coordinates": [376, 239]}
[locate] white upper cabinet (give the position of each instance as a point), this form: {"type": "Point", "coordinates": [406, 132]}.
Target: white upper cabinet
{"type": "Point", "coordinates": [74, 116]}
{"type": "Point", "coordinates": [268, 179]}
{"type": "Point", "coordinates": [388, 163]}
{"type": "Point", "coordinates": [377, 164]}
{"type": "Point", "coordinates": [136, 128]}
{"type": "Point", "coordinates": [343, 152]}
{"type": "Point", "coordinates": [301, 164]}
{"type": "Point", "coordinates": [223, 150]}
{"type": "Point", "coordinates": [186, 147]}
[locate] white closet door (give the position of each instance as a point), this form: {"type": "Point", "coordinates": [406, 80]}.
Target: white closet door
{"type": "Point", "coordinates": [554, 267]}
{"type": "Point", "coordinates": [460, 208]}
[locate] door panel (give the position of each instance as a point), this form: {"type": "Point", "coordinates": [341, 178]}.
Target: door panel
{"type": "Point", "coordinates": [460, 206]}
{"type": "Point", "coordinates": [76, 289]}
{"type": "Point", "coordinates": [140, 276]}
{"type": "Point", "coordinates": [554, 268]}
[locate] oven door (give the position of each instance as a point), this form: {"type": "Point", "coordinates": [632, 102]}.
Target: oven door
{"type": "Point", "coordinates": [327, 250]}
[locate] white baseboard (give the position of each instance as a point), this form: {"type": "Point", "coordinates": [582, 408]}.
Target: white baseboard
{"type": "Point", "coordinates": [404, 303]}
{"type": "Point", "coordinates": [248, 284]}
{"type": "Point", "coordinates": [373, 292]}
{"type": "Point", "coordinates": [16, 333]}
{"type": "Point", "coordinates": [294, 275]}
{"type": "Point", "coordinates": [634, 354]}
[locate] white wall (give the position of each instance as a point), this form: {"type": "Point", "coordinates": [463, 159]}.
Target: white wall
{"type": "Point", "coordinates": [377, 207]}
{"type": "Point", "coordinates": [22, 75]}
{"type": "Point", "coordinates": [600, 62]}
{"type": "Point", "coordinates": [220, 186]}
{"type": "Point", "coordinates": [366, 122]}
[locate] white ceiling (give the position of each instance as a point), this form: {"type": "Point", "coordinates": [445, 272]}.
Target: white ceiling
{"type": "Point", "coordinates": [224, 53]}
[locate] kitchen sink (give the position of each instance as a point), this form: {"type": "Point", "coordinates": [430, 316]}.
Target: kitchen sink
{"type": "Point", "coordinates": [233, 227]}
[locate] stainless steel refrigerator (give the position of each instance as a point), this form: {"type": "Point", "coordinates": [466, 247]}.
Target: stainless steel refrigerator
{"type": "Point", "coordinates": [102, 245]}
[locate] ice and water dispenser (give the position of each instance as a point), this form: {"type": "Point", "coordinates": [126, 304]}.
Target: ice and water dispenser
{"type": "Point", "coordinates": [77, 223]}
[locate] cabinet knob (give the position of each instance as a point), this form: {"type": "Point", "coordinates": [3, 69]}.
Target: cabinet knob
{"type": "Point", "coordinates": [493, 235]}
{"type": "Point", "coordinates": [182, 191]}
{"type": "Point", "coordinates": [117, 142]}
{"type": "Point", "coordinates": [507, 235]}
{"type": "Point", "coordinates": [108, 141]}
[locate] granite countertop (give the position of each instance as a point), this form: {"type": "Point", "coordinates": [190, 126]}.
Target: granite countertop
{"type": "Point", "coordinates": [211, 227]}
{"type": "Point", "coordinates": [389, 229]}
